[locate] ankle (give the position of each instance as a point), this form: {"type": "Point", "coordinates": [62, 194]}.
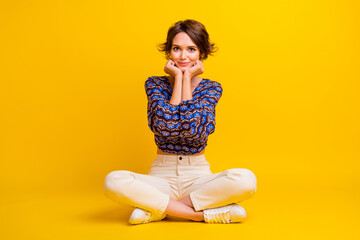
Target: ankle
{"type": "Point", "coordinates": [198, 217]}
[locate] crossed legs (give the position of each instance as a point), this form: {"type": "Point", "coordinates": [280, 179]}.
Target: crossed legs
{"type": "Point", "coordinates": [216, 190]}
{"type": "Point", "coordinates": [209, 191]}
{"type": "Point", "coordinates": [184, 208]}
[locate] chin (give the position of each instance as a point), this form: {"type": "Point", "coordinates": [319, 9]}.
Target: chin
{"type": "Point", "coordinates": [184, 67]}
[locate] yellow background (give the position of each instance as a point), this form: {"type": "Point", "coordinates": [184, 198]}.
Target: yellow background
{"type": "Point", "coordinates": [73, 109]}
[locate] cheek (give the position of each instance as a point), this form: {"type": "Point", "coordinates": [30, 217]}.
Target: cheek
{"type": "Point", "coordinates": [195, 56]}
{"type": "Point", "coordinates": [174, 54]}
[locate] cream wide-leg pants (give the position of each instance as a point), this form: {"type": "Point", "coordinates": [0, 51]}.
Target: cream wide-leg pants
{"type": "Point", "coordinates": [175, 176]}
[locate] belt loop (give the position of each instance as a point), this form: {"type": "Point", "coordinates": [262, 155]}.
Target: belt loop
{"type": "Point", "coordinates": [164, 159]}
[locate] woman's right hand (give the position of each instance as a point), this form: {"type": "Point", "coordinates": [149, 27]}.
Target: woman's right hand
{"type": "Point", "coordinates": [171, 69]}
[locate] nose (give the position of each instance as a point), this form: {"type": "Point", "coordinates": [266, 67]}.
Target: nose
{"type": "Point", "coordinates": [183, 55]}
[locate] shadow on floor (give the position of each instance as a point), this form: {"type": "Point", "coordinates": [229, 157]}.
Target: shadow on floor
{"type": "Point", "coordinates": [120, 215]}
{"type": "Point", "coordinates": [112, 214]}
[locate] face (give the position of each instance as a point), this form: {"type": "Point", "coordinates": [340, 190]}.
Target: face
{"type": "Point", "coordinates": [184, 52]}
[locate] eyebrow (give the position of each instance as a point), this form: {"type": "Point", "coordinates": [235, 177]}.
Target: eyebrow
{"type": "Point", "coordinates": [188, 46]}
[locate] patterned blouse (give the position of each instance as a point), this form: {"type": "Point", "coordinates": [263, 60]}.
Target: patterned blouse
{"type": "Point", "coordinates": [181, 129]}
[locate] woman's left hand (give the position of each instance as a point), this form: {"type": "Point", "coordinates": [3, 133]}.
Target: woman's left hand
{"type": "Point", "coordinates": [195, 70]}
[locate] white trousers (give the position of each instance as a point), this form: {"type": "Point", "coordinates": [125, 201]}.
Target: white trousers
{"type": "Point", "coordinates": [175, 176]}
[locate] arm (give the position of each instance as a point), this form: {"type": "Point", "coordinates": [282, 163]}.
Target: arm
{"type": "Point", "coordinates": [175, 72]}
{"type": "Point", "coordinates": [197, 116]}
{"type": "Point", "coordinates": [186, 88]}
{"type": "Point", "coordinates": [176, 95]}
{"type": "Point", "coordinates": [195, 70]}
{"type": "Point", "coordinates": [163, 116]}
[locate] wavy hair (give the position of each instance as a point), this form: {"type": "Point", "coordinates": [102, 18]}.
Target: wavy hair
{"type": "Point", "coordinates": [196, 31]}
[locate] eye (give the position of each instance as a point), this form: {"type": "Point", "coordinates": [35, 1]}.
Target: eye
{"type": "Point", "coordinates": [175, 48]}
{"type": "Point", "coordinates": [192, 49]}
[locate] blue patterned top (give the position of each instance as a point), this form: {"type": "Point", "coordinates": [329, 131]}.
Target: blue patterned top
{"type": "Point", "coordinates": [181, 129]}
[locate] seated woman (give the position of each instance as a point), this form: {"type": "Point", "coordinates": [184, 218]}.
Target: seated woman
{"type": "Point", "coordinates": [181, 114]}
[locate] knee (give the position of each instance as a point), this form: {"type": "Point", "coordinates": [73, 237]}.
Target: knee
{"type": "Point", "coordinates": [114, 180]}
{"type": "Point", "coordinates": [245, 180]}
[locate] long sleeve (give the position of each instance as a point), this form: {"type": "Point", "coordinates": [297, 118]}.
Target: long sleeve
{"type": "Point", "coordinates": [197, 115]}
{"type": "Point", "coordinates": [181, 129]}
{"type": "Point", "coordinates": [163, 117]}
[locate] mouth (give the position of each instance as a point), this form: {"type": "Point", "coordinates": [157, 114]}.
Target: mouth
{"type": "Point", "coordinates": [183, 64]}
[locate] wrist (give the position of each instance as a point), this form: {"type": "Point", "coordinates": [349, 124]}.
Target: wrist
{"type": "Point", "coordinates": [178, 77]}
{"type": "Point", "coordinates": [187, 76]}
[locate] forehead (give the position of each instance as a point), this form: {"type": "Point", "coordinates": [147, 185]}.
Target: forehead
{"type": "Point", "coordinates": [183, 39]}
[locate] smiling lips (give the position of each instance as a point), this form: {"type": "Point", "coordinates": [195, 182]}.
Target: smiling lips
{"type": "Point", "coordinates": [183, 64]}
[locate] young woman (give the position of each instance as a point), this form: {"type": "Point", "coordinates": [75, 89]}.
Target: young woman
{"type": "Point", "coordinates": [181, 114]}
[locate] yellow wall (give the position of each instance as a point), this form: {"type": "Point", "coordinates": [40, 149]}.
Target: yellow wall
{"type": "Point", "coordinates": [73, 103]}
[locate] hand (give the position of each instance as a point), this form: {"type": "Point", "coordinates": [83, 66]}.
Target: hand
{"type": "Point", "coordinates": [171, 69]}
{"type": "Point", "coordinates": [195, 70]}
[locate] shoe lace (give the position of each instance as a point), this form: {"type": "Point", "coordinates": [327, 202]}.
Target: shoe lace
{"type": "Point", "coordinates": [219, 215]}
{"type": "Point", "coordinates": [153, 217]}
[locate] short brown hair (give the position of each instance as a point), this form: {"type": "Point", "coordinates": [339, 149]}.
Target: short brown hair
{"type": "Point", "coordinates": [196, 32]}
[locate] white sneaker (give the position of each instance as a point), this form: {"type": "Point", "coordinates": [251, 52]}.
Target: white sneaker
{"type": "Point", "coordinates": [226, 214]}
{"type": "Point", "coordinates": [140, 216]}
